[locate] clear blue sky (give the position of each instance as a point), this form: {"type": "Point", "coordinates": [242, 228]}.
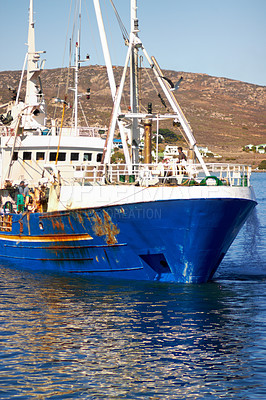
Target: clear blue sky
{"type": "Point", "coordinates": [225, 38]}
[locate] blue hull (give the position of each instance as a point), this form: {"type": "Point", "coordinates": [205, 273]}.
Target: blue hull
{"type": "Point", "coordinates": [173, 240]}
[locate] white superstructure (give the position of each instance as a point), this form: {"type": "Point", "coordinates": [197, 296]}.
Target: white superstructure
{"type": "Point", "coordinates": [27, 144]}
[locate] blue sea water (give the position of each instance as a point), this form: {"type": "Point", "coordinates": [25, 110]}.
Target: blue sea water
{"type": "Point", "coordinates": [84, 338]}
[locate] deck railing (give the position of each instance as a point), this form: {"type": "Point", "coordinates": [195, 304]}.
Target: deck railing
{"type": "Point", "coordinates": [89, 131]}
{"type": "Point", "coordinates": [152, 174]}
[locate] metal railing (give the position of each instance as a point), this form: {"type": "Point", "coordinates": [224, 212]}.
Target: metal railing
{"type": "Point", "coordinates": [154, 174]}
{"type": "Point", "coordinates": [89, 131]}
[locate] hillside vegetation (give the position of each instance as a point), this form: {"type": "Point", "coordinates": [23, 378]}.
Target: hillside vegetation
{"type": "Point", "coordinates": [225, 114]}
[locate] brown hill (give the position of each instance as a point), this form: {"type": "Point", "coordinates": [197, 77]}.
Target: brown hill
{"type": "Point", "coordinates": [224, 114]}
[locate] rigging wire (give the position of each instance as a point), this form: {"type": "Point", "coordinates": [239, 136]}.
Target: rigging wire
{"type": "Point", "coordinates": [93, 41]}
{"type": "Point", "coordinates": [121, 25]}
{"type": "Point", "coordinates": [125, 36]}
{"type": "Point", "coordinates": [66, 89]}
{"type": "Point", "coordinates": [108, 26]}
{"type": "Point", "coordinates": [75, 30]}
{"type": "Point", "coordinates": [154, 87]}
{"type": "Point", "coordinates": [76, 13]}
{"type": "Point", "coordinates": [62, 69]}
{"type": "Point", "coordinates": [83, 113]}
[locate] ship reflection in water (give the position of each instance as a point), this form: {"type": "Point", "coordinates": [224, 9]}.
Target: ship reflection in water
{"type": "Point", "coordinates": [85, 338]}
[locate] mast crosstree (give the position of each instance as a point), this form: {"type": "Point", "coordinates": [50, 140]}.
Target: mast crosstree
{"type": "Point", "coordinates": [134, 115]}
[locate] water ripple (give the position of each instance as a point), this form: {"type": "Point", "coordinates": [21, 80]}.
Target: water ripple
{"type": "Point", "coordinates": [75, 338]}
{"type": "Point", "coordinates": [78, 338]}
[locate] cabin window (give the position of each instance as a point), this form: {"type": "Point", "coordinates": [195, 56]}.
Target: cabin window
{"type": "Point", "coordinates": [99, 157]}
{"type": "Point", "coordinates": [26, 155]}
{"type": "Point", "coordinates": [40, 155]}
{"type": "Point", "coordinates": [61, 156]}
{"type": "Point", "coordinates": [87, 157]}
{"type": "Point", "coordinates": [74, 156]}
{"type": "Point", "coordinates": [15, 156]}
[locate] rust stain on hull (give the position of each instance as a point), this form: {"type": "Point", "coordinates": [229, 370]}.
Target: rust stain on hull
{"type": "Point", "coordinates": [28, 222]}
{"type": "Point", "coordinates": [105, 227]}
{"type": "Point", "coordinates": [57, 224]}
{"type": "Point", "coordinates": [111, 229]}
{"type": "Point", "coordinates": [20, 226]}
{"type": "Point", "coordinates": [70, 223]}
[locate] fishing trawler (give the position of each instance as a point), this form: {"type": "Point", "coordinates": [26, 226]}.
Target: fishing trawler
{"type": "Point", "coordinates": [170, 222]}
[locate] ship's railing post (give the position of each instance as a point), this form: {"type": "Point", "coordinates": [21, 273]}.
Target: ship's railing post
{"type": "Point", "coordinates": [249, 174]}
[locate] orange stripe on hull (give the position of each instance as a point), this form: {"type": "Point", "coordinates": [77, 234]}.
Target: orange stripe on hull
{"type": "Point", "coordinates": [47, 238]}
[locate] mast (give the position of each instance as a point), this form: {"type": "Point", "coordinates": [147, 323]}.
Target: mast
{"type": "Point", "coordinates": [30, 90]}
{"type": "Point", "coordinates": [110, 74]}
{"type": "Point", "coordinates": [134, 100]}
{"type": "Point", "coordinates": [134, 44]}
{"type": "Point", "coordinates": [77, 65]}
{"type": "Point", "coordinates": [132, 56]}
{"type": "Point", "coordinates": [35, 109]}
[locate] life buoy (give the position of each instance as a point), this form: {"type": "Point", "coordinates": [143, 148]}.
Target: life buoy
{"type": "Point", "coordinates": [217, 181]}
